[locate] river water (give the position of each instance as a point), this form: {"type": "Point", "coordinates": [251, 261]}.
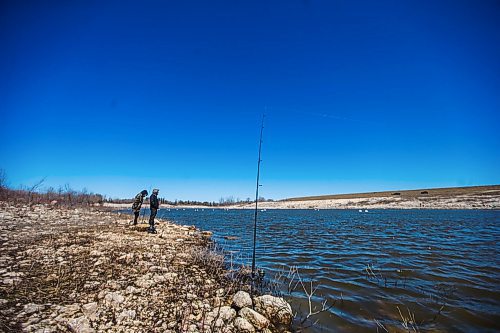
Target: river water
{"type": "Point", "coordinates": [440, 267]}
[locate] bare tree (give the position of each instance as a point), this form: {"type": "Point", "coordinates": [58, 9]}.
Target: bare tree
{"type": "Point", "coordinates": [50, 194]}
{"type": "Point", "coordinates": [290, 282]}
{"type": "Point", "coordinates": [3, 183]}
{"type": "Point", "coordinates": [33, 189]}
{"type": "Point", "coordinates": [69, 193]}
{"type": "Point", "coordinates": [3, 179]}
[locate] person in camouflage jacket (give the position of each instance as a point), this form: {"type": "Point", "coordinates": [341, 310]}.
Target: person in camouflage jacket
{"type": "Point", "coordinates": [136, 206]}
{"type": "Point", "coordinates": [154, 205]}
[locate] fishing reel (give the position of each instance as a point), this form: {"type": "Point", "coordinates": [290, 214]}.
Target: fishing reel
{"type": "Point", "coordinates": [257, 280]}
{"type": "Point", "coordinates": [261, 274]}
{"type": "Point", "coordinates": [258, 277]}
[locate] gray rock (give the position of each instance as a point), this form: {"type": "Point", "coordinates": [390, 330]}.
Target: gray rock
{"type": "Point", "coordinates": [69, 310]}
{"type": "Point", "coordinates": [46, 330]}
{"type": "Point", "coordinates": [32, 320]}
{"type": "Point", "coordinates": [131, 290]}
{"type": "Point", "coordinates": [274, 308]}
{"type": "Point", "coordinates": [11, 281]}
{"type": "Point", "coordinates": [81, 325]}
{"type": "Point", "coordinates": [126, 315]}
{"type": "Point", "coordinates": [159, 278]}
{"type": "Point", "coordinates": [253, 317]}
{"type": "Point", "coordinates": [218, 323]}
{"type": "Point", "coordinates": [219, 316]}
{"type": "Point", "coordinates": [242, 299]}
{"type": "Point", "coordinates": [144, 282]}
{"type": "Point", "coordinates": [226, 313]}
{"type": "Point", "coordinates": [89, 310]}
{"type": "Point", "coordinates": [114, 299]}
{"type": "Point", "coordinates": [32, 308]}
{"type": "Point", "coordinates": [170, 276]}
{"type": "Point", "coordinates": [243, 326]}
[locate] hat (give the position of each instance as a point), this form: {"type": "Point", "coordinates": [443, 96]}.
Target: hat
{"type": "Point", "coordinates": [156, 190]}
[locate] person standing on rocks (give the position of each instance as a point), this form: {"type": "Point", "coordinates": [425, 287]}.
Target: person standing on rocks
{"type": "Point", "coordinates": [136, 206]}
{"type": "Point", "coordinates": [154, 205]}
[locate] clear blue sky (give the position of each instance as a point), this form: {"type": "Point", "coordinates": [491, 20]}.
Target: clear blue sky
{"type": "Point", "coordinates": [360, 95]}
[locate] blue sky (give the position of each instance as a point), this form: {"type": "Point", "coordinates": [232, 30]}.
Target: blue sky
{"type": "Point", "coordinates": [359, 95]}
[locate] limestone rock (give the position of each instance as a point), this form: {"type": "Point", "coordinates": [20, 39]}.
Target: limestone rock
{"type": "Point", "coordinates": [158, 278]}
{"type": "Point", "coordinates": [171, 277]}
{"type": "Point", "coordinates": [89, 310]}
{"type": "Point", "coordinates": [253, 317]}
{"type": "Point", "coordinates": [226, 313]}
{"type": "Point", "coordinates": [274, 308]}
{"type": "Point", "coordinates": [242, 299]}
{"type": "Point", "coordinates": [32, 308]}
{"type": "Point", "coordinates": [80, 325]}
{"type": "Point", "coordinates": [126, 315]}
{"type": "Point", "coordinates": [144, 282]}
{"type": "Point", "coordinates": [243, 326]}
{"type": "Point", "coordinates": [221, 315]}
{"type": "Point", "coordinates": [69, 310]}
{"type": "Point", "coordinates": [131, 290]}
{"type": "Point", "coordinates": [114, 299]}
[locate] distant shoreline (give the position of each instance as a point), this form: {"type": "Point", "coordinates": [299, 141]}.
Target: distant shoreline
{"type": "Point", "coordinates": [474, 197]}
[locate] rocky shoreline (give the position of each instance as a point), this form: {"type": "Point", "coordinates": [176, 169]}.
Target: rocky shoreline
{"type": "Point", "coordinates": [86, 270]}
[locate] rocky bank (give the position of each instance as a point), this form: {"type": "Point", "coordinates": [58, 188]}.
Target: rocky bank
{"type": "Point", "coordinates": [84, 270]}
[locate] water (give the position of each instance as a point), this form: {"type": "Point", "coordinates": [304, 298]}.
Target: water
{"type": "Point", "coordinates": [373, 263]}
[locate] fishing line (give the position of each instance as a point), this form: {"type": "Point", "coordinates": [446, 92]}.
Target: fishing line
{"type": "Point", "coordinates": [328, 116]}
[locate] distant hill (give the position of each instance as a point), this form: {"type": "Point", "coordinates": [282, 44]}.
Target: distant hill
{"type": "Point", "coordinates": [447, 192]}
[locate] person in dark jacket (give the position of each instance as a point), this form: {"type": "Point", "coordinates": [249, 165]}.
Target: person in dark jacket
{"type": "Point", "coordinates": [154, 204]}
{"type": "Point", "coordinates": [136, 206]}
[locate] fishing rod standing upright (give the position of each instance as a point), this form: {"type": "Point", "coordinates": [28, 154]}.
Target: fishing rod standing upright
{"type": "Point", "coordinates": [257, 199]}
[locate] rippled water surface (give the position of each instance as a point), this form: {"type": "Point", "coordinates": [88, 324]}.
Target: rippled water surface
{"type": "Point", "coordinates": [373, 263]}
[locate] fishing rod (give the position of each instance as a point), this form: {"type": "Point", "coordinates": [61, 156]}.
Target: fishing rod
{"type": "Point", "coordinates": [257, 199]}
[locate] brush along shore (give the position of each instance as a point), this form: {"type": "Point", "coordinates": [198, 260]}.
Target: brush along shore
{"type": "Point", "coordinates": [83, 270]}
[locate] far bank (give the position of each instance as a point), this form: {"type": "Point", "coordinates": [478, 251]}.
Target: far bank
{"type": "Point", "coordinates": [473, 197]}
